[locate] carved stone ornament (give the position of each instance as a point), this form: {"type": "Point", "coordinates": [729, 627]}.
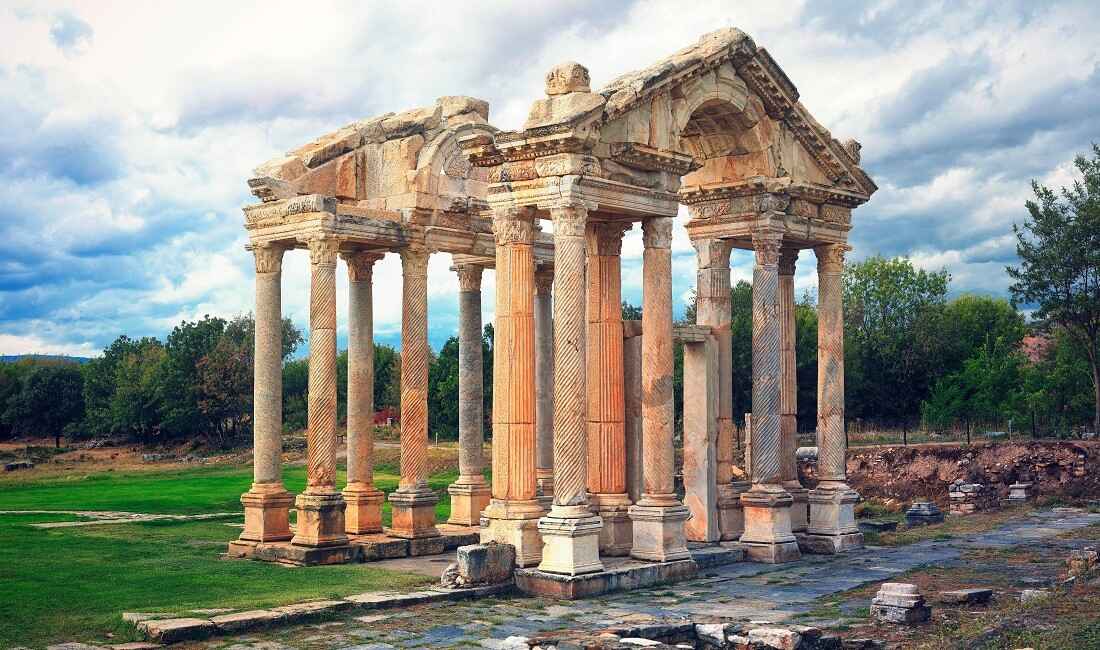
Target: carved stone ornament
{"type": "Point", "coordinates": [568, 77]}
{"type": "Point", "coordinates": [469, 277]}
{"type": "Point", "coordinates": [322, 250]}
{"type": "Point", "coordinates": [788, 257]}
{"type": "Point", "coordinates": [712, 252]}
{"type": "Point", "coordinates": [360, 264]}
{"type": "Point", "coordinates": [544, 281]}
{"type": "Point", "coordinates": [657, 232]}
{"type": "Point", "coordinates": [766, 247]}
{"type": "Point", "coordinates": [414, 260]}
{"type": "Point", "coordinates": [569, 220]}
{"type": "Point", "coordinates": [830, 257]}
{"type": "Point", "coordinates": [772, 203]}
{"type": "Point", "coordinates": [513, 227]}
{"type": "Point", "coordinates": [606, 238]}
{"type": "Point", "coordinates": [269, 258]}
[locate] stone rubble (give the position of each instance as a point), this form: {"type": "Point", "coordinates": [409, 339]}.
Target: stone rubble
{"type": "Point", "coordinates": [922, 513]}
{"type": "Point", "coordinates": [978, 596]}
{"type": "Point", "coordinates": [899, 602]}
{"type": "Point", "coordinates": [965, 497]}
{"type": "Point", "coordinates": [1081, 561]}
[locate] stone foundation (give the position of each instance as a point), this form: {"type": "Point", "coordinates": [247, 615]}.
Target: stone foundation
{"type": "Point", "coordinates": [768, 537]}
{"type": "Point", "coordinates": [467, 503]}
{"type": "Point", "coordinates": [413, 514]}
{"type": "Point", "coordinates": [320, 520]}
{"type": "Point", "coordinates": [359, 548]}
{"type": "Point", "coordinates": [627, 576]}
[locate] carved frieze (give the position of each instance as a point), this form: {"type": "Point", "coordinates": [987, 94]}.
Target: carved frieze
{"type": "Point", "coordinates": [283, 209]}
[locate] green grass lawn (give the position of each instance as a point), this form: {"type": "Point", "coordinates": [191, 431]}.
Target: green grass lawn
{"type": "Point", "coordinates": [73, 583]}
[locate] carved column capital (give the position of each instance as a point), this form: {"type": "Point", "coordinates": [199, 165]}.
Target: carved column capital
{"type": "Point", "coordinates": [605, 238]}
{"type": "Point", "coordinates": [766, 245]}
{"type": "Point", "coordinates": [788, 257]}
{"type": "Point", "coordinates": [657, 232]}
{"type": "Point", "coordinates": [830, 257]}
{"type": "Point", "coordinates": [360, 264]}
{"type": "Point", "coordinates": [469, 277]}
{"type": "Point", "coordinates": [268, 257]}
{"type": "Point", "coordinates": [414, 260]}
{"type": "Point", "coordinates": [712, 252]}
{"type": "Point", "coordinates": [569, 220]}
{"type": "Point", "coordinates": [322, 250]}
{"type": "Point", "coordinates": [513, 227]}
{"type": "Point", "coordinates": [544, 281]}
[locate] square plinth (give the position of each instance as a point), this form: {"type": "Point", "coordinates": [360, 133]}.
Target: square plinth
{"type": "Point", "coordinates": [266, 516]}
{"type": "Point", "coordinates": [413, 513]}
{"type": "Point", "coordinates": [658, 534]}
{"type": "Point", "coordinates": [363, 514]}
{"type": "Point", "coordinates": [467, 503]}
{"type": "Point", "coordinates": [320, 520]}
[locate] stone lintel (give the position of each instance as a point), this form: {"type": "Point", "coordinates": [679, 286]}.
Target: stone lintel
{"type": "Point", "coordinates": [605, 195]}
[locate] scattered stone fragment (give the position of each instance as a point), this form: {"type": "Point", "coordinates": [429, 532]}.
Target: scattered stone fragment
{"type": "Point", "coordinates": [1028, 595]}
{"type": "Point", "coordinates": [965, 497]}
{"type": "Point", "coordinates": [775, 638]}
{"type": "Point", "coordinates": [17, 465]}
{"type": "Point", "coordinates": [171, 630]}
{"type": "Point", "coordinates": [922, 513]}
{"type": "Point", "coordinates": [1081, 561]}
{"type": "Point", "coordinates": [486, 564]}
{"type": "Point", "coordinates": [899, 602]}
{"type": "Point", "coordinates": [967, 596]}
{"type": "Point", "coordinates": [1019, 492]}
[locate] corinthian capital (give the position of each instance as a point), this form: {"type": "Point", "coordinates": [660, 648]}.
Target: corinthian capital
{"type": "Point", "coordinates": [322, 250]}
{"type": "Point", "coordinates": [712, 252]}
{"type": "Point", "coordinates": [605, 238]}
{"type": "Point", "coordinates": [268, 257]}
{"type": "Point", "coordinates": [569, 220]}
{"type": "Point", "coordinates": [657, 232]}
{"type": "Point", "coordinates": [514, 226]}
{"type": "Point", "coordinates": [414, 260]}
{"type": "Point", "coordinates": [788, 257]}
{"type": "Point", "coordinates": [469, 277]}
{"type": "Point", "coordinates": [360, 264]}
{"type": "Point", "coordinates": [544, 281]}
{"type": "Point", "coordinates": [830, 257]}
{"type": "Point", "coordinates": [766, 246]}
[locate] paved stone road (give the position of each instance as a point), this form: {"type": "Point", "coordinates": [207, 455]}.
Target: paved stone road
{"type": "Point", "coordinates": [740, 592]}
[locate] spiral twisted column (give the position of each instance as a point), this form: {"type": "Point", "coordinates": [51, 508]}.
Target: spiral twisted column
{"type": "Point", "coordinates": [832, 527]}
{"type": "Point", "coordinates": [267, 503]}
{"type": "Point", "coordinates": [788, 391]}
{"type": "Point", "coordinates": [364, 500]}
{"type": "Point", "coordinates": [470, 492]}
{"type": "Point", "coordinates": [413, 501]}
{"type": "Point", "coordinates": [513, 511]}
{"type": "Point", "coordinates": [544, 385]}
{"type": "Point", "coordinates": [321, 507]}
{"type": "Point", "coordinates": [658, 517]}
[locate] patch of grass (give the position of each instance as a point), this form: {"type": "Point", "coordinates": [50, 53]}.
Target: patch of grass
{"type": "Point", "coordinates": [953, 526]}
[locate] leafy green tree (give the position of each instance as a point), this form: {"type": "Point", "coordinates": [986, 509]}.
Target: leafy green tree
{"type": "Point", "coordinates": [50, 399]}
{"type": "Point", "coordinates": [972, 322]}
{"type": "Point", "coordinates": [137, 402]}
{"type": "Point", "coordinates": [11, 382]}
{"type": "Point", "coordinates": [633, 312]}
{"type": "Point", "coordinates": [103, 377]}
{"type": "Point", "coordinates": [295, 394]}
{"type": "Point", "coordinates": [225, 389]}
{"type": "Point", "coordinates": [1059, 250]}
{"type": "Point", "coordinates": [805, 323]}
{"type": "Point", "coordinates": [443, 392]}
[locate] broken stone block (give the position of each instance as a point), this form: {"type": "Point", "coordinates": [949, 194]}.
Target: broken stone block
{"type": "Point", "coordinates": [1081, 561]}
{"type": "Point", "coordinates": [172, 630]}
{"type": "Point", "coordinates": [899, 602]}
{"type": "Point", "coordinates": [922, 513]}
{"type": "Point", "coordinates": [715, 635]}
{"type": "Point", "coordinates": [17, 465]}
{"type": "Point", "coordinates": [775, 638]}
{"type": "Point", "coordinates": [1019, 492]}
{"type": "Point", "coordinates": [967, 596]}
{"type": "Point", "coordinates": [486, 564]}
{"type": "Point", "coordinates": [244, 621]}
{"type": "Point", "coordinates": [1028, 595]}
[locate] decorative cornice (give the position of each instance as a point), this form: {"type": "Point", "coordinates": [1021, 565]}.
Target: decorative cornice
{"type": "Point", "coordinates": [657, 232]}
{"type": "Point", "coordinates": [647, 158]}
{"type": "Point", "coordinates": [286, 207]}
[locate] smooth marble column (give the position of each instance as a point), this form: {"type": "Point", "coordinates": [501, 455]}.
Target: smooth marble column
{"type": "Point", "coordinates": [544, 386]}
{"type": "Point", "coordinates": [414, 502]}
{"type": "Point", "coordinates": [513, 511]}
{"type": "Point", "coordinates": [658, 516]}
{"type": "Point", "coordinates": [832, 527]}
{"type": "Point", "coordinates": [470, 492]}
{"type": "Point", "coordinates": [321, 506]}
{"type": "Point", "coordinates": [364, 500]}
{"type": "Point", "coordinates": [267, 503]}
{"type": "Point", "coordinates": [788, 392]}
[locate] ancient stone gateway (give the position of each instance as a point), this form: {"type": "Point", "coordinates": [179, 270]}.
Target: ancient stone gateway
{"type": "Point", "coordinates": [582, 421]}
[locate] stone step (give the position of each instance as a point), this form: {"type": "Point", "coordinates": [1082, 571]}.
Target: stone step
{"type": "Point", "coordinates": [712, 556]}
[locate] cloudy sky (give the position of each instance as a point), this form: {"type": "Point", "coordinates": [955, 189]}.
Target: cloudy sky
{"type": "Point", "coordinates": [128, 130]}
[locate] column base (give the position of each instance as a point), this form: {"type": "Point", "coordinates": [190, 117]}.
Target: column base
{"type": "Point", "coordinates": [467, 502]}
{"type": "Point", "coordinates": [571, 540]}
{"type": "Point", "coordinates": [617, 534]}
{"type": "Point", "coordinates": [800, 509]}
{"type": "Point", "coordinates": [266, 513]}
{"type": "Point", "coordinates": [830, 544]}
{"type": "Point", "coordinates": [413, 513]}
{"type": "Point", "coordinates": [544, 488]}
{"type": "Point", "coordinates": [363, 514]}
{"type": "Point", "coordinates": [731, 517]}
{"type": "Point", "coordinates": [515, 523]}
{"type": "Point", "coordinates": [658, 534]}
{"type": "Point", "coordinates": [832, 514]}
{"type": "Point", "coordinates": [320, 520]}
{"type": "Point", "coordinates": [768, 537]}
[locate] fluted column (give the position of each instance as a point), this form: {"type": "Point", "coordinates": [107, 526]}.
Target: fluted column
{"type": "Point", "coordinates": [414, 502]}
{"type": "Point", "coordinates": [788, 392]}
{"type": "Point", "coordinates": [321, 506]}
{"type": "Point", "coordinates": [570, 532]}
{"type": "Point", "coordinates": [832, 526]}
{"type": "Point", "coordinates": [364, 500]}
{"type": "Point", "coordinates": [606, 407]}
{"type": "Point", "coordinates": [544, 386]}
{"type": "Point", "coordinates": [513, 511]}
{"type": "Point", "coordinates": [470, 492]}
{"type": "Point", "coordinates": [767, 504]}
{"type": "Point", "coordinates": [267, 503]}
{"type": "Point", "coordinates": [658, 517]}
{"type": "Point", "coordinates": [713, 308]}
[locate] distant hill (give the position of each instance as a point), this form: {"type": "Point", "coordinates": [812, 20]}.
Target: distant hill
{"type": "Point", "coordinates": [12, 358]}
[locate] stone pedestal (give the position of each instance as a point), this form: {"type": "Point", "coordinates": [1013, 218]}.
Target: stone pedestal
{"type": "Point", "coordinates": [320, 520]}
{"type": "Point", "coordinates": [413, 513]}
{"type": "Point", "coordinates": [1019, 493]}
{"type": "Point", "coordinates": [832, 527]}
{"type": "Point", "coordinates": [617, 533]}
{"type": "Point", "coordinates": [658, 533]}
{"type": "Point", "coordinates": [467, 502]}
{"type": "Point", "coordinates": [364, 509]}
{"type": "Point", "coordinates": [731, 515]}
{"type": "Point", "coordinates": [800, 506]}
{"type": "Point", "coordinates": [898, 602]}
{"type": "Point", "coordinates": [571, 541]}
{"type": "Point", "coordinates": [768, 536]}
{"type": "Point", "coordinates": [266, 513]}
{"type": "Point", "coordinates": [923, 513]}
{"type": "Point", "coordinates": [515, 523]}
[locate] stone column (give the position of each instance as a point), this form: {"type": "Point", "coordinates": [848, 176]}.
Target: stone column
{"type": "Point", "coordinates": [713, 308]}
{"type": "Point", "coordinates": [321, 506]}
{"type": "Point", "coordinates": [658, 516]}
{"type": "Point", "coordinates": [788, 393]}
{"type": "Point", "coordinates": [414, 502]}
{"type": "Point", "coordinates": [700, 438]}
{"type": "Point", "coordinates": [544, 386]}
{"type": "Point", "coordinates": [767, 504]}
{"type": "Point", "coordinates": [832, 527]}
{"type": "Point", "coordinates": [513, 511]}
{"type": "Point", "coordinates": [470, 492]}
{"type": "Point", "coordinates": [570, 532]}
{"type": "Point", "coordinates": [632, 394]}
{"type": "Point", "coordinates": [364, 500]}
{"type": "Point", "coordinates": [267, 503]}
{"type": "Point", "coordinates": [604, 379]}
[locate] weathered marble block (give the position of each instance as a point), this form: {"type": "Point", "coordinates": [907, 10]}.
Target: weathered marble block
{"type": "Point", "coordinates": [922, 513]}
{"type": "Point", "coordinates": [899, 602]}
